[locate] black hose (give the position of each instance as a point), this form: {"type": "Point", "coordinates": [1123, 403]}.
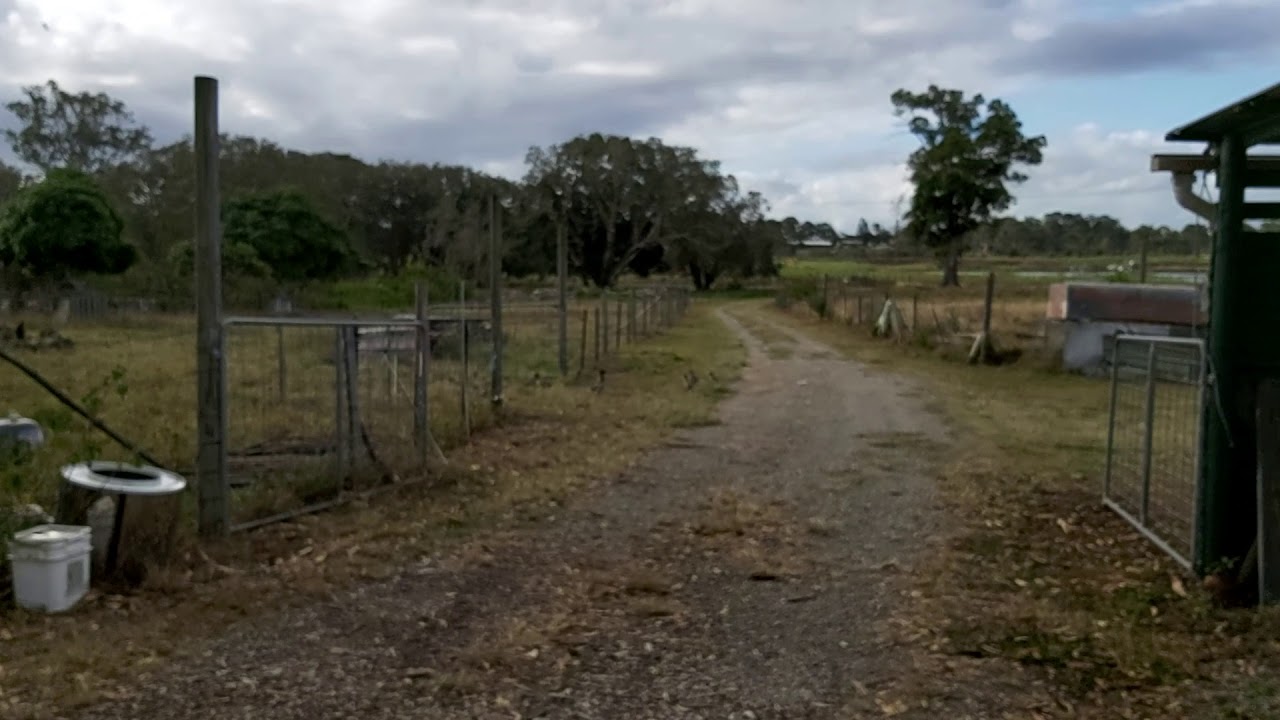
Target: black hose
{"type": "Point", "coordinates": [76, 408]}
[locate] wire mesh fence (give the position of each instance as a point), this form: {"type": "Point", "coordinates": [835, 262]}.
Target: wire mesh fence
{"type": "Point", "coordinates": [1153, 456]}
{"type": "Point", "coordinates": [318, 408]}
{"type": "Point", "coordinates": [321, 407]}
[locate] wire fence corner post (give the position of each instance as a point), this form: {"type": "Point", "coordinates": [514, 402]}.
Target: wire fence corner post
{"type": "Point", "coordinates": [214, 488]}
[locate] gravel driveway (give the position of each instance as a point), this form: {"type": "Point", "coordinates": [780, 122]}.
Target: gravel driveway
{"type": "Point", "coordinates": [744, 570]}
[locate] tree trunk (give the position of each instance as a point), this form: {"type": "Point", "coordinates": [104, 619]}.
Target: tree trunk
{"type": "Point", "coordinates": [951, 267]}
{"type": "Point", "coordinates": [702, 279]}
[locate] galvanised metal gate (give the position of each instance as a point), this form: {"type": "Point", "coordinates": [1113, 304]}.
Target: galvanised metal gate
{"type": "Point", "coordinates": [1153, 438]}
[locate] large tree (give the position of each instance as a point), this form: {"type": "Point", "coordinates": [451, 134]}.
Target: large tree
{"type": "Point", "coordinates": [970, 153]}
{"type": "Point", "coordinates": [60, 227]}
{"type": "Point", "coordinates": [10, 182]}
{"type": "Point", "coordinates": [84, 131]}
{"type": "Point", "coordinates": [287, 235]}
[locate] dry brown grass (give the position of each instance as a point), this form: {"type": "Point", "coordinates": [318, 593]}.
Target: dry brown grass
{"type": "Point", "coordinates": [1036, 575]}
{"type": "Point", "coordinates": [551, 440]}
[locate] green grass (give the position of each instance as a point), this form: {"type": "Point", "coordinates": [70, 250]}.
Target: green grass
{"type": "Point", "coordinates": [972, 268]}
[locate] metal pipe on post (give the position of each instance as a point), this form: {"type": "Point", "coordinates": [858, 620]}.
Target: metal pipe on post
{"type": "Point", "coordinates": [214, 490]}
{"type": "Point", "coordinates": [495, 302]}
{"type": "Point", "coordinates": [562, 292]}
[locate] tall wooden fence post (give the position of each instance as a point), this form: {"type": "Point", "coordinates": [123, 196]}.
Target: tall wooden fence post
{"type": "Point", "coordinates": [631, 317]}
{"type": "Point", "coordinates": [421, 373]}
{"type": "Point", "coordinates": [604, 321]}
{"type": "Point", "coordinates": [281, 363]}
{"type": "Point", "coordinates": [984, 341]}
{"type": "Point", "coordinates": [214, 490]}
{"type": "Point", "coordinates": [595, 334]}
{"type": "Point", "coordinates": [582, 350]}
{"type": "Point", "coordinates": [464, 354]}
{"type": "Point", "coordinates": [562, 299]}
{"type": "Point", "coordinates": [495, 302]}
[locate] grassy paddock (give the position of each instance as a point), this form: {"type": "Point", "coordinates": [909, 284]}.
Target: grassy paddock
{"type": "Point", "coordinates": [138, 374]}
{"type": "Point", "coordinates": [1036, 573]}
{"type": "Point", "coordinates": [973, 266]}
{"type": "Point", "coordinates": [552, 438]}
{"type": "Point", "coordinates": [951, 317]}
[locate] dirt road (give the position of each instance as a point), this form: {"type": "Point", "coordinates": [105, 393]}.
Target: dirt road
{"type": "Point", "coordinates": [745, 570]}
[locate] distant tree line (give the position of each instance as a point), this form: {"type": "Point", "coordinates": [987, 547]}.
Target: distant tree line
{"type": "Point", "coordinates": [623, 205]}
{"type": "Point", "coordinates": [97, 195]}
{"type": "Point", "coordinates": [1054, 234]}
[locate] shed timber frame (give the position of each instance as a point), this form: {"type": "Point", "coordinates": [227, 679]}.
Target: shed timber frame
{"type": "Point", "coordinates": [1243, 352]}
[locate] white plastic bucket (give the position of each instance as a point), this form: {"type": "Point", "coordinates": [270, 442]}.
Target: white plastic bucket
{"type": "Point", "coordinates": [50, 567]}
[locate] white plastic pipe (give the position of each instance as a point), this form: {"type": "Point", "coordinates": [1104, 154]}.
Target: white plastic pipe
{"type": "Point", "coordinates": [1184, 194]}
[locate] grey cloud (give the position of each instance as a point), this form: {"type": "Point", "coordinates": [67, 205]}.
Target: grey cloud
{"type": "Point", "coordinates": [1195, 37]}
{"type": "Point", "coordinates": [510, 85]}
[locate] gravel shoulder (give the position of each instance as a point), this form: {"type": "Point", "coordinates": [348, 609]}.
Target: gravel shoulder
{"type": "Point", "coordinates": [748, 569]}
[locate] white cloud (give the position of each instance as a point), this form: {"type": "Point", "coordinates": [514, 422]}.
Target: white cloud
{"type": "Point", "coordinates": [792, 95]}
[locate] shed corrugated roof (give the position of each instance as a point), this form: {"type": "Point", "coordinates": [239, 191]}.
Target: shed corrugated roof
{"type": "Point", "coordinates": [1255, 118]}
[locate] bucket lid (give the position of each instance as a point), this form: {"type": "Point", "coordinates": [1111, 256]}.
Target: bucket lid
{"type": "Point", "coordinates": [49, 534]}
{"type": "Point", "coordinates": [123, 478]}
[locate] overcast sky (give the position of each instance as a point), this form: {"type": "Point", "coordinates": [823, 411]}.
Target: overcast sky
{"type": "Point", "coordinates": [791, 95]}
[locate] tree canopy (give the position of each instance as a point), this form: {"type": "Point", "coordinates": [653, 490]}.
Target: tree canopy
{"type": "Point", "coordinates": [971, 151]}
{"type": "Point", "coordinates": [286, 233]}
{"type": "Point", "coordinates": [89, 132]}
{"type": "Point", "coordinates": [625, 205]}
{"type": "Point", "coordinates": [639, 205]}
{"type": "Point", "coordinates": [62, 226]}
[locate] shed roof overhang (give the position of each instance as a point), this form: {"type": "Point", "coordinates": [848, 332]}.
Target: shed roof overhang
{"type": "Point", "coordinates": [1256, 120]}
